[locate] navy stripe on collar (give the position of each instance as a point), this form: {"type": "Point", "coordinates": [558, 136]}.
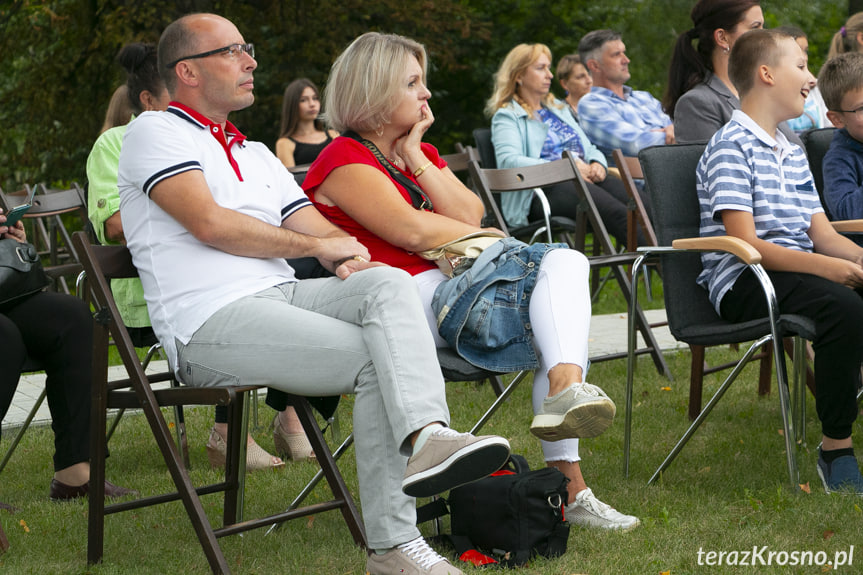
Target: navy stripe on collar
{"type": "Point", "coordinates": [183, 114]}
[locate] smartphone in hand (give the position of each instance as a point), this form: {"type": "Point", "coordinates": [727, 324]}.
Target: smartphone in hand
{"type": "Point", "coordinates": [17, 212]}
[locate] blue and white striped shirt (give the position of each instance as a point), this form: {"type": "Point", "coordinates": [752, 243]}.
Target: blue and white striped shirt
{"type": "Point", "coordinates": [745, 169]}
{"type": "Point", "coordinates": [629, 123]}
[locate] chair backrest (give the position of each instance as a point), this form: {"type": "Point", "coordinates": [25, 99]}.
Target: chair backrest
{"type": "Point", "coordinates": [49, 233]}
{"type": "Point", "coordinates": [817, 143]}
{"type": "Point", "coordinates": [491, 181]}
{"type": "Point", "coordinates": [458, 162]}
{"type": "Point", "coordinates": [482, 139]}
{"type": "Point", "coordinates": [669, 172]}
{"type": "Point", "coordinates": [498, 181]}
{"type": "Point", "coordinates": [299, 172]}
{"type": "Point", "coordinates": [637, 216]}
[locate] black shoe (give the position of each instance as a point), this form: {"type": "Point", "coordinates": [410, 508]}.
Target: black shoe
{"type": "Point", "coordinates": [61, 492]}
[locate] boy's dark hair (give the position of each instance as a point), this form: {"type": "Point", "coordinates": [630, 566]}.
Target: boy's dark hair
{"type": "Point", "coordinates": [839, 76]}
{"type": "Point", "coordinates": [792, 30]}
{"type": "Point", "coordinates": [590, 47]}
{"type": "Point", "coordinates": [753, 49]}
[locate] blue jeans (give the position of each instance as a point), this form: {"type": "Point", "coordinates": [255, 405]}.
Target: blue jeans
{"type": "Point", "coordinates": [365, 335]}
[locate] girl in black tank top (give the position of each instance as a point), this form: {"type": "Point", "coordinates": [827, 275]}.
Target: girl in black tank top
{"type": "Point", "coordinates": [303, 134]}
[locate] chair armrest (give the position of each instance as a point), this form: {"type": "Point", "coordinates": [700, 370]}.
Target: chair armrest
{"type": "Point", "coordinates": [848, 226]}
{"type": "Point", "coordinates": [546, 211]}
{"type": "Point", "coordinates": [740, 248]}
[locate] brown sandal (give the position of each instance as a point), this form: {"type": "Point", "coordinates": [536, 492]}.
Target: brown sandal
{"type": "Point", "coordinates": [256, 457]}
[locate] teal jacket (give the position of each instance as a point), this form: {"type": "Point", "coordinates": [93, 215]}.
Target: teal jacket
{"type": "Point", "coordinates": [518, 142]}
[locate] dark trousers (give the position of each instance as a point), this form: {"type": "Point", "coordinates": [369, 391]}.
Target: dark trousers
{"type": "Point", "coordinates": [609, 196]}
{"type": "Point", "coordinates": [56, 330]}
{"type": "Point", "coordinates": [838, 315]}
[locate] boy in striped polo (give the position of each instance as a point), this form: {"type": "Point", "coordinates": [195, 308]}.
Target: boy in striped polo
{"type": "Point", "coordinates": [755, 185]}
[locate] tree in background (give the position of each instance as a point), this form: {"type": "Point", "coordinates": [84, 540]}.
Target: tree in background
{"type": "Point", "coordinates": [58, 69]}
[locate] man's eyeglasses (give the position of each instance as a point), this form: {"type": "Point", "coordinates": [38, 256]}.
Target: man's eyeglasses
{"type": "Point", "coordinates": [858, 112]}
{"type": "Point", "coordinates": [234, 50]}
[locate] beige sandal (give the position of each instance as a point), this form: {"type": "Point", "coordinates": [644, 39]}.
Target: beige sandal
{"type": "Point", "coordinates": [293, 446]}
{"type": "Point", "coordinates": [256, 457]}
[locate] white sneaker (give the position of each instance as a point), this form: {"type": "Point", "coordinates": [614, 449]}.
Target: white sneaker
{"type": "Point", "coordinates": [411, 558]}
{"type": "Point", "coordinates": [581, 410]}
{"type": "Point", "coordinates": [588, 511]}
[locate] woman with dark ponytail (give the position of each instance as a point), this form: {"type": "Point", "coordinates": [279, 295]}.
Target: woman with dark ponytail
{"type": "Point", "coordinates": [700, 98]}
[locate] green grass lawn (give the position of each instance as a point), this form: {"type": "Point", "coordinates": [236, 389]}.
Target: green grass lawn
{"type": "Point", "coordinates": [726, 492]}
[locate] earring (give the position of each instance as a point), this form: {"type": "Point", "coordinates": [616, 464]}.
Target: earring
{"type": "Point", "coordinates": [379, 130]}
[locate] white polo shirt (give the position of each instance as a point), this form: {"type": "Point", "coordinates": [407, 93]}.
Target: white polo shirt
{"type": "Point", "coordinates": [186, 281]}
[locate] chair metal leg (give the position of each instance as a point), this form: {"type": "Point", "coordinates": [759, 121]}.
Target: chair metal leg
{"type": "Point", "coordinates": [17, 439]}
{"type": "Point", "coordinates": [337, 454]}
{"type": "Point", "coordinates": [631, 339]}
{"type": "Point", "coordinates": [709, 407]}
{"type": "Point", "coordinates": [498, 402]}
{"type": "Point", "coordinates": [781, 377]}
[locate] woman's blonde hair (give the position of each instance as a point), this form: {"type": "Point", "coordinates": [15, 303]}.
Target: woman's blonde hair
{"type": "Point", "coordinates": [845, 40]}
{"type": "Point", "coordinates": [511, 69]}
{"type": "Point", "coordinates": [119, 109]}
{"type": "Point", "coordinates": [365, 82]}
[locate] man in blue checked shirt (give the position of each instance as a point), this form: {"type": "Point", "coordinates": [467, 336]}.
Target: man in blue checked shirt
{"type": "Point", "coordinates": [613, 115]}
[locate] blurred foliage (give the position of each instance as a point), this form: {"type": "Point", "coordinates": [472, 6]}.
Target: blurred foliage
{"type": "Point", "coordinates": [58, 69]}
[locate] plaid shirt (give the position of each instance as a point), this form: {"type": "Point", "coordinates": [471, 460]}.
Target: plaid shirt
{"type": "Point", "coordinates": [629, 123]}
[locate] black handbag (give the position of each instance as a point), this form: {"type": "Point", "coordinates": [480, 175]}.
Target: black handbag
{"type": "Point", "coordinates": [21, 272]}
{"type": "Point", "coordinates": [508, 517]}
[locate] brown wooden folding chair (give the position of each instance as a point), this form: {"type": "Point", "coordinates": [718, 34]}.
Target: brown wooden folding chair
{"type": "Point", "coordinates": [101, 264]}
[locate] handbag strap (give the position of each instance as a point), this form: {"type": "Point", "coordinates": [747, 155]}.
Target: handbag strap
{"type": "Point", "coordinates": [419, 199]}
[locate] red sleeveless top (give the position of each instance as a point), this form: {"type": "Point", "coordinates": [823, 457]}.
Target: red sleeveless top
{"type": "Point", "coordinates": [342, 152]}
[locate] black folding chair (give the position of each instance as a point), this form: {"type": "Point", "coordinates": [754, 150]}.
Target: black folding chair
{"type": "Point", "coordinates": [670, 175]}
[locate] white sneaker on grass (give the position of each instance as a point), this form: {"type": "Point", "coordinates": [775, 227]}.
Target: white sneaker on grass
{"type": "Point", "coordinates": [580, 410]}
{"type": "Point", "coordinates": [588, 511]}
{"type": "Point", "coordinates": [448, 459]}
{"type": "Point", "coordinates": [411, 558]}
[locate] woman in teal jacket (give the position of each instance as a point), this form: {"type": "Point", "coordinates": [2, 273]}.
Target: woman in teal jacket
{"type": "Point", "coordinates": [530, 126]}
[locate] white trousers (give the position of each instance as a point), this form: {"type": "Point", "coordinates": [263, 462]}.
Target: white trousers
{"type": "Point", "coordinates": [559, 317]}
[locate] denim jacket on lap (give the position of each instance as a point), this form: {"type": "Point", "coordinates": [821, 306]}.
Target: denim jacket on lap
{"type": "Point", "coordinates": [483, 314]}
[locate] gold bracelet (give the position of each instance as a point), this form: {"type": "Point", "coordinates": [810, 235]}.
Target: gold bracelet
{"type": "Point", "coordinates": [419, 171]}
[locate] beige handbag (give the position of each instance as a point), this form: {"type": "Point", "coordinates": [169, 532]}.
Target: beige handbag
{"type": "Point", "coordinates": [458, 255]}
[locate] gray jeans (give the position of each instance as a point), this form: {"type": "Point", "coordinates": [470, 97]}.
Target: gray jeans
{"type": "Point", "coordinates": [365, 335]}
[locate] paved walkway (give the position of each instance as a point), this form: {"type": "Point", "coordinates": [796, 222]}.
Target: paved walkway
{"type": "Point", "coordinates": [607, 335]}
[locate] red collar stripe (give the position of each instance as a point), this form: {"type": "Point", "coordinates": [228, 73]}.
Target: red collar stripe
{"type": "Point", "coordinates": [227, 137]}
